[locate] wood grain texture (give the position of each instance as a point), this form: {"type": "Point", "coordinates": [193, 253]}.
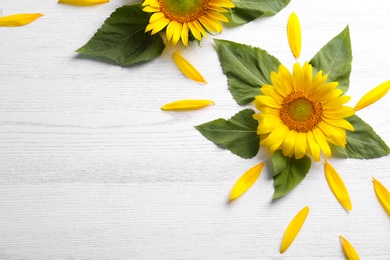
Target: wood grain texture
{"type": "Point", "coordinates": [91, 168]}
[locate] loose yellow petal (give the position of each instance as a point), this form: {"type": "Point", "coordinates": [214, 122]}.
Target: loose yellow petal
{"type": "Point", "coordinates": [349, 252]}
{"type": "Point", "coordinates": [337, 186]}
{"type": "Point", "coordinates": [18, 19]}
{"type": "Point", "coordinates": [383, 195]}
{"type": "Point", "coordinates": [373, 95]}
{"type": "Point", "coordinates": [83, 2]}
{"type": "Point", "coordinates": [187, 104]}
{"type": "Point", "coordinates": [246, 181]}
{"type": "Point", "coordinates": [293, 229]}
{"type": "Point", "coordinates": [294, 35]}
{"type": "Point", "coordinates": [187, 69]}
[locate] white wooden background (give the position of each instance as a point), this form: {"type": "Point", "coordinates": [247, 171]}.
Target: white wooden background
{"type": "Point", "coordinates": [91, 168]}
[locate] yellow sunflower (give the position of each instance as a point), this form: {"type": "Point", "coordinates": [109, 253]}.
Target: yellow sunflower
{"type": "Point", "coordinates": [182, 17]}
{"type": "Point", "coordinates": [301, 114]}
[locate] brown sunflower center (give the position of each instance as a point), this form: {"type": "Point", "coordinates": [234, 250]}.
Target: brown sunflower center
{"type": "Point", "coordinates": [300, 113]}
{"type": "Point", "coordinates": [184, 11]}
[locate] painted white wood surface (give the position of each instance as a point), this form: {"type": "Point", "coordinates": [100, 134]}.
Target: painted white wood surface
{"type": "Point", "coordinates": [90, 168]}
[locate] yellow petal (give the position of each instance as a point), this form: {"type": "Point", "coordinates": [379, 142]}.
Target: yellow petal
{"type": "Point", "coordinates": [187, 69]}
{"type": "Point", "coordinates": [153, 3]}
{"type": "Point", "coordinates": [83, 2]}
{"type": "Point", "coordinates": [176, 32]}
{"type": "Point", "coordinates": [187, 104]}
{"type": "Point", "coordinates": [383, 195]}
{"type": "Point", "coordinates": [151, 9]}
{"type": "Point", "coordinates": [337, 186]}
{"type": "Point", "coordinates": [18, 19]}
{"type": "Point", "coordinates": [293, 229]}
{"type": "Point", "coordinates": [373, 95]}
{"type": "Point", "coordinates": [156, 17]}
{"type": "Point", "coordinates": [349, 252]}
{"type": "Point", "coordinates": [194, 30]}
{"type": "Point", "coordinates": [218, 16]}
{"type": "Point", "coordinates": [246, 181]}
{"type": "Point", "coordinates": [294, 35]}
{"type": "Point", "coordinates": [184, 34]}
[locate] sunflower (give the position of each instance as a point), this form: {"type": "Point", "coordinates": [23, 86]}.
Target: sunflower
{"type": "Point", "coordinates": [184, 17]}
{"type": "Point", "coordinates": [301, 114]}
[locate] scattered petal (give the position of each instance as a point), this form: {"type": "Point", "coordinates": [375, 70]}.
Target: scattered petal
{"type": "Point", "coordinates": [187, 104]}
{"type": "Point", "coordinates": [349, 252]}
{"type": "Point", "coordinates": [83, 2]}
{"type": "Point", "coordinates": [383, 195]}
{"type": "Point", "coordinates": [294, 35]}
{"type": "Point", "coordinates": [293, 229]}
{"type": "Point", "coordinates": [18, 19]}
{"type": "Point", "coordinates": [246, 181]}
{"type": "Point", "coordinates": [187, 69]}
{"type": "Point", "coordinates": [337, 186]}
{"type": "Point", "coordinates": [373, 95]}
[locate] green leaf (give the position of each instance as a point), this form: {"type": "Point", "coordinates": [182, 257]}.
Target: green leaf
{"type": "Point", "coordinates": [238, 134]}
{"type": "Point", "coordinates": [288, 172]}
{"type": "Point", "coordinates": [247, 69]}
{"type": "Point", "coordinates": [363, 143]}
{"type": "Point", "coordinates": [122, 38]}
{"type": "Point", "coordinates": [248, 10]}
{"type": "Point", "coordinates": [335, 59]}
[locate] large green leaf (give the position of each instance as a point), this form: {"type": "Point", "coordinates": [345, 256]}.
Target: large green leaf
{"type": "Point", "coordinates": [238, 134]}
{"type": "Point", "coordinates": [248, 10]}
{"type": "Point", "coordinates": [335, 59]}
{"type": "Point", "coordinates": [363, 143]}
{"type": "Point", "coordinates": [247, 69]}
{"type": "Point", "coordinates": [288, 172]}
{"type": "Point", "coordinates": [122, 38]}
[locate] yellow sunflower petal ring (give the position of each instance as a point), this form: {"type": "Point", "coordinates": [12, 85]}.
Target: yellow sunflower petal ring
{"type": "Point", "coordinates": [184, 17]}
{"type": "Point", "coordinates": [302, 114]}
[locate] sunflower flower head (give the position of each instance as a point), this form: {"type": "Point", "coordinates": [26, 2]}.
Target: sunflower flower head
{"type": "Point", "coordinates": [302, 114]}
{"type": "Point", "coordinates": [183, 18]}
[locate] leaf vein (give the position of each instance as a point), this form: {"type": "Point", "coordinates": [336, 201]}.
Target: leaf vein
{"type": "Point", "coordinates": [231, 53]}
{"type": "Point", "coordinates": [337, 52]}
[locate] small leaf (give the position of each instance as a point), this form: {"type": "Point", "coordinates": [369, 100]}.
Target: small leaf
{"type": "Point", "coordinates": [247, 69]}
{"type": "Point", "coordinates": [363, 143]}
{"type": "Point", "coordinates": [382, 194]}
{"type": "Point", "coordinates": [349, 252]}
{"type": "Point", "coordinates": [15, 20]}
{"type": "Point", "coordinates": [187, 69]}
{"type": "Point", "coordinates": [335, 59]}
{"type": "Point", "coordinates": [187, 104]}
{"type": "Point", "coordinates": [122, 38]}
{"type": "Point", "coordinates": [238, 134]}
{"type": "Point", "coordinates": [337, 186]}
{"type": "Point", "coordinates": [288, 172]}
{"type": "Point", "coordinates": [293, 229]}
{"type": "Point", "coordinates": [373, 95]}
{"type": "Point", "coordinates": [83, 2]}
{"type": "Point", "coordinates": [246, 181]}
{"type": "Point", "coordinates": [247, 10]}
{"type": "Point", "coordinates": [294, 35]}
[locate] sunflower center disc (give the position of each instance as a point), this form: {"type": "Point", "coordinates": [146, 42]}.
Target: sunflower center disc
{"type": "Point", "coordinates": [183, 11]}
{"type": "Point", "coordinates": [300, 113]}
